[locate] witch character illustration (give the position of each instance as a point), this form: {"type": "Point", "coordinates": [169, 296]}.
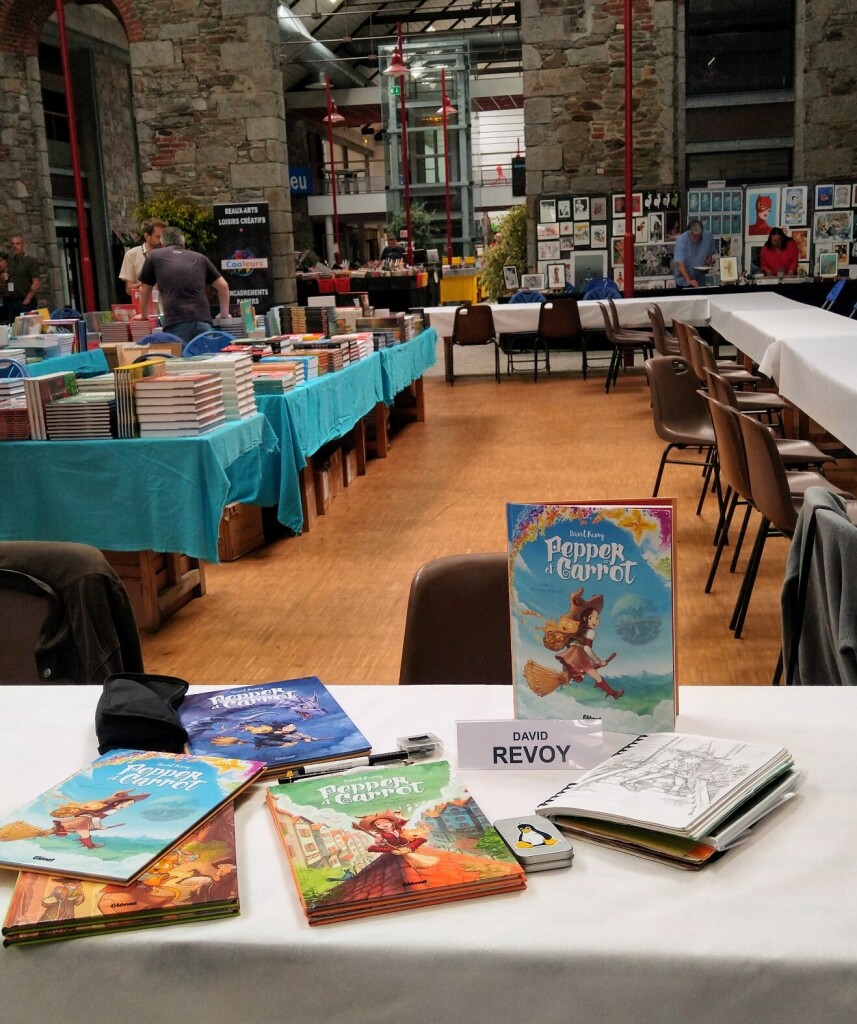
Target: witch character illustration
{"type": "Point", "coordinates": [78, 818]}
{"type": "Point", "coordinates": [573, 636]}
{"type": "Point", "coordinates": [388, 830]}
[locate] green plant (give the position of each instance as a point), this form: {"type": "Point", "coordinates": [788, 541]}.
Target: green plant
{"type": "Point", "coordinates": [422, 226]}
{"type": "Point", "coordinates": [509, 248]}
{"type": "Point", "coordinates": [195, 221]}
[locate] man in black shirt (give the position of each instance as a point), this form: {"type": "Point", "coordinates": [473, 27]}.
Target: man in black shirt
{"type": "Point", "coordinates": [23, 282]}
{"type": "Point", "coordinates": [181, 277]}
{"type": "Point", "coordinates": [393, 250]}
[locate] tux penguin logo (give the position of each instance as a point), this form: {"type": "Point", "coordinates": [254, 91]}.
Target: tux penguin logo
{"type": "Point", "coordinates": [530, 837]}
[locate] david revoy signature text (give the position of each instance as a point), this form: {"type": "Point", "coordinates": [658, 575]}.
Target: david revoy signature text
{"type": "Point", "coordinates": [585, 560]}
{"type": "Point", "coordinates": [369, 790]}
{"type": "Point", "coordinates": [141, 774]}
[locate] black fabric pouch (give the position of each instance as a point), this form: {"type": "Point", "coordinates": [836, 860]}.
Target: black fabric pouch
{"type": "Point", "coordinates": [138, 711]}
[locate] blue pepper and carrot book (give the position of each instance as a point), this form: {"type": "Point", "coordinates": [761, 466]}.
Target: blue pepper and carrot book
{"type": "Point", "coordinates": [591, 591]}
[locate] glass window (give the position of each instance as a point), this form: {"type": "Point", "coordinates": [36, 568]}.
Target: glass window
{"type": "Point", "coordinates": [739, 46]}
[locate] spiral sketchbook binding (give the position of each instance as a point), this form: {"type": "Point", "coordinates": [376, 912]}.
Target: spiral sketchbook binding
{"type": "Point", "coordinates": [571, 785]}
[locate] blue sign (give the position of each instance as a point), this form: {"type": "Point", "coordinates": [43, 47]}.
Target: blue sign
{"type": "Point", "coordinates": [300, 181]}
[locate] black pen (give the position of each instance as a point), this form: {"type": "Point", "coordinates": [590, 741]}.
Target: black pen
{"type": "Point", "coordinates": [332, 767]}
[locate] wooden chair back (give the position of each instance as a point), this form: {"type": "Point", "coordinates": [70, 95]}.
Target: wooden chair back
{"type": "Point", "coordinates": [473, 325]}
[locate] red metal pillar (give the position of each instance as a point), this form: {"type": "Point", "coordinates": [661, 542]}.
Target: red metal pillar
{"type": "Point", "coordinates": [628, 251]}
{"type": "Point", "coordinates": [89, 302]}
{"type": "Point", "coordinates": [444, 110]}
{"type": "Point", "coordinates": [330, 119]}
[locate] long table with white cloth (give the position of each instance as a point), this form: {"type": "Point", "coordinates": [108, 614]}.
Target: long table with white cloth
{"type": "Point", "coordinates": [766, 934]}
{"type": "Point", "coordinates": [809, 352]}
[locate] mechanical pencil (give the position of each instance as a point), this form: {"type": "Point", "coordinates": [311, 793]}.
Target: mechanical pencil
{"type": "Point", "coordinates": [332, 767]}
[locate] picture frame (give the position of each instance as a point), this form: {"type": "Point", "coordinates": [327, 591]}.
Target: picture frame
{"type": "Point", "coordinates": [581, 234]}
{"type": "Point", "coordinates": [854, 195]}
{"type": "Point", "coordinates": [801, 240]}
{"type": "Point", "coordinates": [586, 266]}
{"type": "Point", "coordinates": [533, 282]}
{"type": "Point", "coordinates": [728, 270]}
{"type": "Point", "coordinates": [563, 209]}
{"type": "Point", "coordinates": [827, 264]}
{"type": "Point", "coordinates": [618, 227]}
{"type": "Point", "coordinates": [763, 210]}
{"type": "Point", "coordinates": [510, 277]}
{"type": "Point", "coordinates": [841, 196]}
{"type": "Point", "coordinates": [832, 225]}
{"type": "Point", "coordinates": [617, 251]}
{"type": "Point", "coordinates": [618, 205]}
{"type": "Point", "coordinates": [547, 211]}
{"type": "Point", "coordinates": [566, 228]}
{"type": "Point", "coordinates": [598, 208]}
{"type": "Point", "coordinates": [581, 208]}
{"type": "Point", "coordinates": [598, 236]}
{"type": "Point", "coordinates": [546, 232]}
{"type": "Point", "coordinates": [641, 230]}
{"type": "Point", "coordinates": [824, 197]}
{"type": "Point", "coordinates": [548, 250]}
{"type": "Point", "coordinates": [556, 275]}
{"type": "Point", "coordinates": [656, 227]}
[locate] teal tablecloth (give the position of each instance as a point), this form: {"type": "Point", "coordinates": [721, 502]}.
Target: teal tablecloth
{"type": "Point", "coordinates": [89, 364]}
{"type": "Point", "coordinates": [136, 494]}
{"type": "Point", "coordinates": [327, 408]}
{"type": "Point", "coordinates": [284, 476]}
{"type": "Point", "coordinates": [401, 365]}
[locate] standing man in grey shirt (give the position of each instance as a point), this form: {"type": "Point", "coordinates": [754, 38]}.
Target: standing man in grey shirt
{"type": "Point", "coordinates": [181, 277]}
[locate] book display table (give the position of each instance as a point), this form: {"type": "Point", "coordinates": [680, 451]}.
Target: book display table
{"type": "Point", "coordinates": [136, 494]}
{"type": "Point", "coordinates": [333, 407]}
{"type": "Point", "coordinates": [765, 934]}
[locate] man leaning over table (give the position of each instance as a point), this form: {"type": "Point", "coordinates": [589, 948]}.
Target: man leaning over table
{"type": "Point", "coordinates": [135, 257]}
{"type": "Point", "coordinates": [692, 257]}
{"type": "Point", "coordinates": [181, 277]}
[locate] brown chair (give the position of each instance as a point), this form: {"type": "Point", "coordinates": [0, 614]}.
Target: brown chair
{"type": "Point", "coordinates": [774, 498]}
{"type": "Point", "coordinates": [682, 331]}
{"type": "Point", "coordinates": [680, 418]}
{"type": "Point", "coordinates": [67, 615]}
{"type": "Point", "coordinates": [795, 452]}
{"type": "Point", "coordinates": [666, 343]}
{"type": "Point", "coordinates": [620, 329]}
{"type": "Point", "coordinates": [457, 628]}
{"type": "Point", "coordinates": [473, 325]}
{"type": "Point", "coordinates": [623, 343]}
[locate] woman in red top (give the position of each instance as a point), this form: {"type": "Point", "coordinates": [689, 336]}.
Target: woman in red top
{"type": "Point", "coordinates": [779, 254]}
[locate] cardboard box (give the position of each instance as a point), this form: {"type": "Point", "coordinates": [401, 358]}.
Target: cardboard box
{"type": "Point", "coordinates": [349, 466]}
{"type": "Point", "coordinates": [240, 531]}
{"type": "Point", "coordinates": [323, 495]}
{"type": "Point", "coordinates": [309, 506]}
{"type": "Point", "coordinates": [334, 468]}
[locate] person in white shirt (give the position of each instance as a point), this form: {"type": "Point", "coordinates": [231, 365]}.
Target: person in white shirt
{"type": "Point", "coordinates": [132, 264]}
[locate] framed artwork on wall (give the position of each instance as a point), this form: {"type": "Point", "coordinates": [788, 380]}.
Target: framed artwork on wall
{"type": "Point", "coordinates": [563, 209]}
{"type": "Point", "coordinates": [841, 196]}
{"type": "Point", "coordinates": [581, 208]}
{"type": "Point", "coordinates": [586, 266]}
{"type": "Point", "coordinates": [548, 250]}
{"type": "Point", "coordinates": [547, 211]}
{"type": "Point", "coordinates": [544, 232]}
{"type": "Point", "coordinates": [598, 236]}
{"type": "Point", "coordinates": [510, 278]}
{"type": "Point", "coordinates": [598, 208]}
{"type": "Point", "coordinates": [581, 234]}
{"type": "Point", "coordinates": [827, 264]}
{"type": "Point", "coordinates": [763, 210]}
{"type": "Point", "coordinates": [533, 282]}
{"type": "Point", "coordinates": [824, 197]}
{"type": "Point", "coordinates": [556, 275]}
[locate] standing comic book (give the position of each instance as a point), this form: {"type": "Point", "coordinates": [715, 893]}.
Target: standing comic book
{"type": "Point", "coordinates": [113, 819]}
{"type": "Point", "coordinates": [197, 880]}
{"type": "Point", "coordinates": [284, 724]}
{"type": "Point", "coordinates": [376, 840]}
{"type": "Point", "coordinates": [591, 588]}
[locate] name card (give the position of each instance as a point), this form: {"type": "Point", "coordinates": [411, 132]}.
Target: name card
{"type": "Point", "coordinates": [519, 743]}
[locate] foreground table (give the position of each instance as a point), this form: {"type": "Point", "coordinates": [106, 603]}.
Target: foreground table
{"type": "Point", "coordinates": [767, 934]}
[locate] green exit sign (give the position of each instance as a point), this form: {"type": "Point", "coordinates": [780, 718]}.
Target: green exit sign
{"type": "Point", "coordinates": [396, 90]}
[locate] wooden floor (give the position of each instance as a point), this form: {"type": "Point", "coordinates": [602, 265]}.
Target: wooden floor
{"type": "Point", "coordinates": [332, 602]}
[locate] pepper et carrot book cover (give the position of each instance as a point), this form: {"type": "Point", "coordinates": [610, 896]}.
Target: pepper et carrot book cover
{"type": "Point", "coordinates": [113, 819]}
{"type": "Point", "coordinates": [376, 840]}
{"type": "Point", "coordinates": [197, 880]}
{"type": "Point", "coordinates": [292, 722]}
{"type": "Point", "coordinates": [591, 592]}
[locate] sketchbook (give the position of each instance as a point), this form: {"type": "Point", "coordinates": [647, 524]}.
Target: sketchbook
{"type": "Point", "coordinates": [668, 794]}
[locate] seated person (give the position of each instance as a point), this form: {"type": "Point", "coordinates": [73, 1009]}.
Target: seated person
{"type": "Point", "coordinates": [779, 254]}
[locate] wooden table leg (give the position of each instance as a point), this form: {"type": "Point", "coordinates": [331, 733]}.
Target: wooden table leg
{"type": "Point", "coordinates": [358, 435]}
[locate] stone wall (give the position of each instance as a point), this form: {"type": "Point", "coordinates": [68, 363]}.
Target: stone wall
{"type": "Point", "coordinates": [25, 190]}
{"type": "Point", "coordinates": [826, 86]}
{"type": "Point", "coordinates": [118, 142]}
{"type": "Point", "coordinates": [210, 110]}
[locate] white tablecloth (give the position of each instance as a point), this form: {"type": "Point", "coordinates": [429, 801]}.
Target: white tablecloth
{"type": "Point", "coordinates": [524, 316]}
{"type": "Point", "coordinates": [725, 312]}
{"type": "Point", "coordinates": [762, 334]}
{"type": "Point", "coordinates": [767, 934]}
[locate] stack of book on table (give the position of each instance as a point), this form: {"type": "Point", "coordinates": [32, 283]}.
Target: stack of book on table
{"type": "Point", "coordinates": [180, 405]}
{"type": "Point", "coordinates": [14, 418]}
{"type": "Point", "coordinates": [88, 415]}
{"type": "Point", "coordinates": [359, 344]}
{"type": "Point", "coordinates": [126, 378]}
{"type": "Point", "coordinates": [40, 392]}
{"type": "Point", "coordinates": [676, 798]}
{"type": "Point", "coordinates": [137, 838]}
{"type": "Point", "coordinates": [377, 840]}
{"type": "Point", "coordinates": [235, 370]}
{"type": "Point", "coordinates": [276, 380]}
